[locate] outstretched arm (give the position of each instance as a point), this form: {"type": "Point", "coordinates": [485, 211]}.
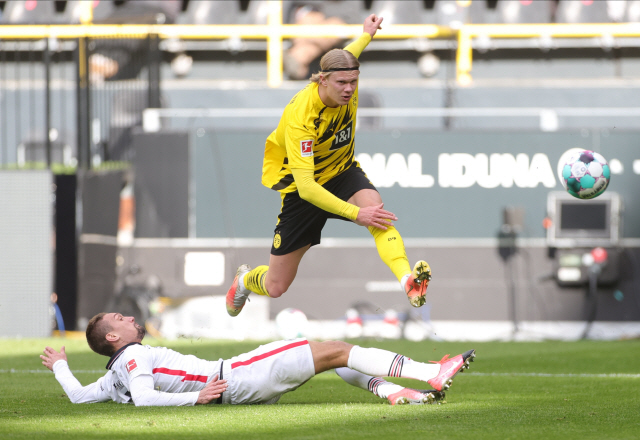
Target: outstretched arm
{"type": "Point", "coordinates": [57, 362]}
{"type": "Point", "coordinates": [314, 193]}
{"type": "Point", "coordinates": [143, 393]}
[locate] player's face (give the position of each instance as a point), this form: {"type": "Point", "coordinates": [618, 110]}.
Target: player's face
{"type": "Point", "coordinates": [340, 87]}
{"type": "Point", "coordinates": [125, 327]}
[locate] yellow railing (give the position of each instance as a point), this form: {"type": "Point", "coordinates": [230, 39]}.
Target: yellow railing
{"type": "Point", "coordinates": [275, 31]}
{"type": "Point", "coordinates": [467, 33]}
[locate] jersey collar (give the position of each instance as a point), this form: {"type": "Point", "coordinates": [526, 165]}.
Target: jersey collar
{"type": "Point", "coordinates": [117, 354]}
{"type": "Point", "coordinates": [317, 102]}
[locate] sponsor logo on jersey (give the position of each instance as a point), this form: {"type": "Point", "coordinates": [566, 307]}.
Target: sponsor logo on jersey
{"type": "Point", "coordinates": [131, 366]}
{"type": "Point", "coordinates": [306, 148]}
{"type": "Point", "coordinates": [277, 241]}
{"type": "Point", "coordinates": [343, 137]}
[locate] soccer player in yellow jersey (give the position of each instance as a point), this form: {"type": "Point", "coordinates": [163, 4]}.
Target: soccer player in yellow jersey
{"type": "Point", "coordinates": [309, 159]}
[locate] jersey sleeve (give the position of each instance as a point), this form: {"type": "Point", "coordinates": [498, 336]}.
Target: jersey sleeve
{"type": "Point", "coordinates": [299, 143]}
{"type": "Point", "coordinates": [358, 45]}
{"type": "Point", "coordinates": [143, 394]}
{"type": "Point", "coordinates": [92, 393]}
{"type": "Point", "coordinates": [314, 193]}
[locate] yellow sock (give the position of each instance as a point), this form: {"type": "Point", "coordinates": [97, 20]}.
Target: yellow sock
{"type": "Point", "coordinates": [255, 279]}
{"type": "Point", "coordinates": [391, 249]}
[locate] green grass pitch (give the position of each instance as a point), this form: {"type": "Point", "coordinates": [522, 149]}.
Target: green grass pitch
{"type": "Point", "coordinates": [563, 390]}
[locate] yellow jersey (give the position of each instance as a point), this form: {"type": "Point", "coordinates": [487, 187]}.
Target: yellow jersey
{"type": "Point", "coordinates": [312, 136]}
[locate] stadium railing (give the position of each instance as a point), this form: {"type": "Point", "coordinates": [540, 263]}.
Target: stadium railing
{"type": "Point", "coordinates": [543, 36]}
{"type": "Point", "coordinates": [470, 36]}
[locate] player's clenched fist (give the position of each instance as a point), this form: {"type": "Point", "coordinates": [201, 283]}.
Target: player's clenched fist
{"type": "Point", "coordinates": [372, 24]}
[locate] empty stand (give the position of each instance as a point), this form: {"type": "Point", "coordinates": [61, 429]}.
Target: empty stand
{"type": "Point", "coordinates": [227, 12]}
{"type": "Point", "coordinates": [403, 12]}
{"type": "Point", "coordinates": [100, 10]}
{"type": "Point", "coordinates": [582, 11]}
{"type": "Point", "coordinates": [29, 12]}
{"type": "Point", "coordinates": [511, 11]}
{"type": "Point", "coordinates": [632, 11]}
{"type": "Point", "coordinates": [452, 13]}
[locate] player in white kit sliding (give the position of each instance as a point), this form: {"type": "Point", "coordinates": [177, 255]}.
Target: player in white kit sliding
{"type": "Point", "coordinates": [158, 376]}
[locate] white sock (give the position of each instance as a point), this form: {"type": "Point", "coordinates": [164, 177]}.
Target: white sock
{"type": "Point", "coordinates": [403, 282]}
{"type": "Point", "coordinates": [419, 370]}
{"type": "Point", "coordinates": [376, 362]}
{"type": "Point", "coordinates": [376, 385]}
{"type": "Point", "coordinates": [241, 285]}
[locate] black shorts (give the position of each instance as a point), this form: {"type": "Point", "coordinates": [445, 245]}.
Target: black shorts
{"type": "Point", "coordinates": [300, 222]}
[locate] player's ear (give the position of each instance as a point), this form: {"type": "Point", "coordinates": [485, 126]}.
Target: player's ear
{"type": "Point", "coordinates": [323, 80]}
{"type": "Point", "coordinates": [112, 337]}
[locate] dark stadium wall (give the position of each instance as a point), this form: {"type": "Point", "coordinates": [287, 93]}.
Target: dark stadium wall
{"type": "Point", "coordinates": [450, 198]}
{"type": "Point", "coordinates": [440, 185]}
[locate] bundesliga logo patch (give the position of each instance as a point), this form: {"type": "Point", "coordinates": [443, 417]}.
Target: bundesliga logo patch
{"type": "Point", "coordinates": [131, 365]}
{"type": "Point", "coordinates": [306, 148]}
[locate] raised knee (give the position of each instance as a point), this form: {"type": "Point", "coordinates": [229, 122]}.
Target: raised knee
{"type": "Point", "coordinates": [276, 290]}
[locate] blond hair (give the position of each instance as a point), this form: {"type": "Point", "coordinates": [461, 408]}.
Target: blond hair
{"type": "Point", "coordinates": [335, 59]}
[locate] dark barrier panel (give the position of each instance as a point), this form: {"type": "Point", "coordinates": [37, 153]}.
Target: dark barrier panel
{"type": "Point", "coordinates": [97, 252]}
{"type": "Point", "coordinates": [161, 163]}
{"type": "Point", "coordinates": [454, 188]}
{"type": "Point", "coordinates": [96, 280]}
{"type": "Point", "coordinates": [101, 202]}
{"type": "Point", "coordinates": [66, 264]}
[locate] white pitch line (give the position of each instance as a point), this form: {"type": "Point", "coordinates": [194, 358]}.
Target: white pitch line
{"type": "Point", "coordinates": [587, 375]}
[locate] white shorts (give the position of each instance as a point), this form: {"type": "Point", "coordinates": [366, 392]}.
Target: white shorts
{"type": "Point", "coordinates": [264, 374]}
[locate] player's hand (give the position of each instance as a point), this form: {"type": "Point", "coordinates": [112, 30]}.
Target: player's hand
{"type": "Point", "coordinates": [375, 216]}
{"type": "Point", "coordinates": [211, 391]}
{"type": "Point", "coordinates": [51, 356]}
{"type": "Point", "coordinates": [372, 24]}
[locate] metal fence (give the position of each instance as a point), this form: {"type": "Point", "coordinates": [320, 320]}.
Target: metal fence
{"type": "Point", "coordinates": [74, 102]}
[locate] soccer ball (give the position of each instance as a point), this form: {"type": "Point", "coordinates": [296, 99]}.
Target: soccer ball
{"type": "Point", "coordinates": [586, 174]}
{"type": "Point", "coordinates": [291, 323]}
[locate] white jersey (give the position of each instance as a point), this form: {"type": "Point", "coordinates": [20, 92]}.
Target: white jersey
{"type": "Point", "coordinates": [168, 378]}
{"type": "Point", "coordinates": [158, 376]}
{"type": "Point", "coordinates": [172, 372]}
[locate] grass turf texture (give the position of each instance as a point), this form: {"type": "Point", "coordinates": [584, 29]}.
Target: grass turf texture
{"type": "Point", "coordinates": [564, 399]}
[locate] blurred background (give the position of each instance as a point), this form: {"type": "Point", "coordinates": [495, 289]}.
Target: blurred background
{"type": "Point", "coordinates": [131, 145]}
